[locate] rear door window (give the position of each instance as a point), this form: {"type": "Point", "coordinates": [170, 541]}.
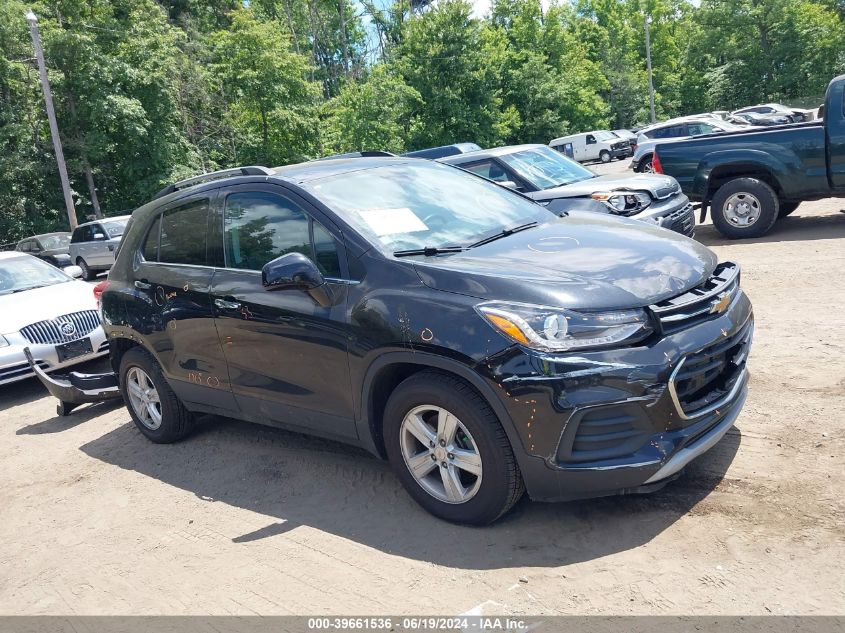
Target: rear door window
{"type": "Point", "coordinates": [488, 169]}
{"type": "Point", "coordinates": [184, 234]}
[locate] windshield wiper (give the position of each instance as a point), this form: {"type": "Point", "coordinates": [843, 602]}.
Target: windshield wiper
{"type": "Point", "coordinates": [503, 233]}
{"type": "Point", "coordinates": [429, 251]}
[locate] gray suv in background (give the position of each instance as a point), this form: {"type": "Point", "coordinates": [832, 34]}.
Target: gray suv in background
{"type": "Point", "coordinates": [93, 244]}
{"type": "Point", "coordinates": [51, 247]}
{"type": "Point", "coordinates": [561, 184]}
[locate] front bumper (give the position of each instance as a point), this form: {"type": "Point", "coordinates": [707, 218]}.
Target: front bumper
{"type": "Point", "coordinates": [622, 421]}
{"type": "Point", "coordinates": [14, 365]}
{"type": "Point", "coordinates": [675, 213]}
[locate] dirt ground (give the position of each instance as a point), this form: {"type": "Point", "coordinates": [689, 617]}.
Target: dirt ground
{"type": "Point", "coordinates": [240, 519]}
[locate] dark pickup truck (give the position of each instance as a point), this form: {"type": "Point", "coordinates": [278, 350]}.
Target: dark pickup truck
{"type": "Point", "coordinates": [750, 179]}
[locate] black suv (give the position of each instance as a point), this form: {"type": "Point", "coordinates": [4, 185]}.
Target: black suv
{"type": "Point", "coordinates": [481, 343]}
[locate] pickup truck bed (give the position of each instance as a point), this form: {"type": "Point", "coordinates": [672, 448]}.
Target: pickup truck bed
{"type": "Point", "coordinates": [750, 179]}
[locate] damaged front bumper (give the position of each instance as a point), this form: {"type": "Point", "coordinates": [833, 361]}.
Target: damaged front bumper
{"type": "Point", "coordinates": [627, 420]}
{"type": "Point", "coordinates": [74, 389]}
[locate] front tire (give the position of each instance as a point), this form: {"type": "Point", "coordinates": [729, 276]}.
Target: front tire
{"type": "Point", "coordinates": [87, 273]}
{"type": "Point", "coordinates": [156, 410]}
{"type": "Point", "coordinates": [449, 450]}
{"type": "Point", "coordinates": [744, 207]}
{"type": "Point", "coordinates": [605, 156]}
{"type": "Point", "coordinates": [646, 166]}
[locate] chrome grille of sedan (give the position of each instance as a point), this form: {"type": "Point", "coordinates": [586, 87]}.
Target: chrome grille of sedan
{"type": "Point", "coordinates": [63, 329]}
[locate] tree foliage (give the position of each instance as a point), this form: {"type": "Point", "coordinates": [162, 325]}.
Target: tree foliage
{"type": "Point", "coordinates": [148, 91]}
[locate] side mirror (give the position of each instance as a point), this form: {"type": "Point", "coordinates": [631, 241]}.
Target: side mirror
{"type": "Point", "coordinates": [295, 271]}
{"type": "Point", "coordinates": [510, 184]}
{"type": "Point", "coordinates": [591, 141]}
{"type": "Point", "coordinates": [73, 271]}
{"type": "Point", "coordinates": [99, 236]}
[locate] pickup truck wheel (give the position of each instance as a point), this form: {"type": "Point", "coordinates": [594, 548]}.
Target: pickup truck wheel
{"type": "Point", "coordinates": [154, 407]}
{"type": "Point", "coordinates": [87, 273]}
{"type": "Point", "coordinates": [449, 450]}
{"type": "Point", "coordinates": [605, 156]}
{"type": "Point", "coordinates": [786, 208]}
{"type": "Point", "coordinates": [744, 207]}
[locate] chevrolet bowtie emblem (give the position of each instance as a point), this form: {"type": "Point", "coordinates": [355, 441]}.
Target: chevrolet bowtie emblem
{"type": "Point", "coordinates": [721, 304]}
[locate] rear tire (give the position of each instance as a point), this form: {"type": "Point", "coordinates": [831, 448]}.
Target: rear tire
{"type": "Point", "coordinates": [744, 207]}
{"type": "Point", "coordinates": [646, 166]}
{"type": "Point", "coordinates": [430, 398]}
{"type": "Point", "coordinates": [605, 156]}
{"type": "Point", "coordinates": [786, 208]}
{"type": "Point", "coordinates": [87, 273]}
{"type": "Point", "coordinates": [159, 414]}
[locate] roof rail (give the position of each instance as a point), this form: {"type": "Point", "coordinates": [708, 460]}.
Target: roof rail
{"type": "Point", "coordinates": [252, 170]}
{"type": "Point", "coordinates": [365, 154]}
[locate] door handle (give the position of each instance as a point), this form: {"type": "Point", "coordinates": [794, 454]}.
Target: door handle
{"type": "Point", "coordinates": [142, 285]}
{"type": "Point", "coordinates": [227, 305]}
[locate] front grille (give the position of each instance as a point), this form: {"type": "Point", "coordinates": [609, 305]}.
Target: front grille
{"type": "Point", "coordinates": [21, 369]}
{"type": "Point", "coordinates": [59, 330]}
{"type": "Point", "coordinates": [603, 433]}
{"type": "Point", "coordinates": [700, 303]}
{"type": "Point", "coordinates": [707, 376]}
{"type": "Point", "coordinates": [681, 221]}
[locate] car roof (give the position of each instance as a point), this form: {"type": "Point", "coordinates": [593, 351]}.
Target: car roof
{"type": "Point", "coordinates": [40, 235]}
{"type": "Point", "coordinates": [110, 219]}
{"type": "Point", "coordinates": [314, 170]}
{"type": "Point", "coordinates": [13, 255]}
{"type": "Point", "coordinates": [484, 153]}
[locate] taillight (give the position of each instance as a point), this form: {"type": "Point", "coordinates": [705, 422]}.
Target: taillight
{"type": "Point", "coordinates": [655, 164]}
{"type": "Point", "coordinates": [98, 292]}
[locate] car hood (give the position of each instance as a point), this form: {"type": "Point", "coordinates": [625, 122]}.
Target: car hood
{"type": "Point", "coordinates": [24, 308]}
{"type": "Point", "coordinates": [658, 186]}
{"type": "Point", "coordinates": [584, 260]}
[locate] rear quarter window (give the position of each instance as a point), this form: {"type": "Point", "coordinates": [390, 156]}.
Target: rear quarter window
{"type": "Point", "coordinates": [184, 234]}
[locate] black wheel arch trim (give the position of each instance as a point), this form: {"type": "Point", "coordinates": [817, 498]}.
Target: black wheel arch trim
{"type": "Point", "coordinates": [366, 425]}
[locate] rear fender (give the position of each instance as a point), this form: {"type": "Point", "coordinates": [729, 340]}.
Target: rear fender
{"type": "Point", "coordinates": [738, 163]}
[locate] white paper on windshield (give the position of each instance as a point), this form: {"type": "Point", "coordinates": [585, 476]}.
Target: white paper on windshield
{"type": "Point", "coordinates": [390, 221]}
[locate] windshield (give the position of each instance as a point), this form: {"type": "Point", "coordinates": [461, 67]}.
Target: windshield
{"type": "Point", "coordinates": [115, 228]}
{"type": "Point", "coordinates": [25, 273]}
{"type": "Point", "coordinates": [423, 204]}
{"type": "Point", "coordinates": [604, 135]}
{"type": "Point", "coordinates": [52, 242]}
{"type": "Point", "coordinates": [545, 168]}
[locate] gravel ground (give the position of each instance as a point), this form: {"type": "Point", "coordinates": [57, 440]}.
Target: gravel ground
{"type": "Point", "coordinates": [240, 519]}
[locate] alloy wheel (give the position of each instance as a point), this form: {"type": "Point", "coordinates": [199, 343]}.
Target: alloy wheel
{"type": "Point", "coordinates": [440, 454]}
{"type": "Point", "coordinates": [144, 398]}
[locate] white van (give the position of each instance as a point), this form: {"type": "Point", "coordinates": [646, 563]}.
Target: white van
{"type": "Point", "coordinates": [596, 145]}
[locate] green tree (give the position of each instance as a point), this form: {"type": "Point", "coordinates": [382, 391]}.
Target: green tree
{"type": "Point", "coordinates": [271, 106]}
{"type": "Point", "coordinates": [449, 59]}
{"type": "Point", "coordinates": [371, 115]}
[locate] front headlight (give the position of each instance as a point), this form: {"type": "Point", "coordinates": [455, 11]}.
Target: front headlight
{"type": "Point", "coordinates": [556, 329]}
{"type": "Point", "coordinates": [623, 202]}
{"type": "Point", "coordinates": [3, 341]}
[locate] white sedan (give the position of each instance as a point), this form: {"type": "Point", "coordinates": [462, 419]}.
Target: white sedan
{"type": "Point", "coordinates": [47, 310]}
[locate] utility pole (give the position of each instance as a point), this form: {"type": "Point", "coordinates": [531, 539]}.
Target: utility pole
{"type": "Point", "coordinates": [647, 20]}
{"type": "Point", "coordinates": [51, 117]}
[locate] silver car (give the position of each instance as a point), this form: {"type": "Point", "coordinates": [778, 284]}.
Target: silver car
{"type": "Point", "coordinates": [47, 310]}
{"type": "Point", "coordinates": [93, 245]}
{"type": "Point", "coordinates": [561, 184]}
